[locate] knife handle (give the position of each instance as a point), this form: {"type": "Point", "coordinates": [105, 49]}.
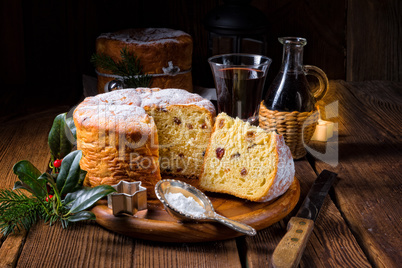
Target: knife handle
{"type": "Point", "coordinates": [290, 249]}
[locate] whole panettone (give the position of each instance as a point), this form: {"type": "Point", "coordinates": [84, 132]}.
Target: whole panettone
{"type": "Point", "coordinates": [137, 134]}
{"type": "Point", "coordinates": [164, 54]}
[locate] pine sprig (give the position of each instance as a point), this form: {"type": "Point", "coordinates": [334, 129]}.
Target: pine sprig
{"type": "Point", "coordinates": [129, 68]}
{"type": "Point", "coordinates": [18, 211]}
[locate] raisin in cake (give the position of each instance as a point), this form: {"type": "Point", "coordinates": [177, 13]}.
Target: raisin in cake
{"type": "Point", "coordinates": [246, 161]}
{"type": "Point", "coordinates": [165, 54]}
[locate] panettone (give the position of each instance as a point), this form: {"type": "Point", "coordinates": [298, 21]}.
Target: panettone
{"type": "Point", "coordinates": [165, 54]}
{"type": "Point", "coordinates": [246, 161]}
{"type": "Point", "coordinates": [119, 139]}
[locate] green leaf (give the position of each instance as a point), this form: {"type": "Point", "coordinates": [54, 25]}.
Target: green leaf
{"type": "Point", "coordinates": [69, 174]}
{"type": "Point", "coordinates": [71, 126]}
{"type": "Point", "coordinates": [87, 197]}
{"type": "Point", "coordinates": [48, 178]}
{"type": "Point", "coordinates": [20, 185]}
{"type": "Point", "coordinates": [58, 141]}
{"type": "Point", "coordinates": [70, 197]}
{"type": "Point", "coordinates": [29, 174]}
{"type": "Point", "coordinates": [82, 216]}
{"type": "Point", "coordinates": [83, 173]}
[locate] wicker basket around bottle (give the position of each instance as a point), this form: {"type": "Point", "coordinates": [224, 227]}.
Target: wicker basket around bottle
{"type": "Point", "coordinates": [297, 128]}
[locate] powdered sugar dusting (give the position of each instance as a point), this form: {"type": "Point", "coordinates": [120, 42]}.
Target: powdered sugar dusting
{"type": "Point", "coordinates": [145, 36]}
{"type": "Point", "coordinates": [115, 109]}
{"type": "Point", "coordinates": [173, 96]}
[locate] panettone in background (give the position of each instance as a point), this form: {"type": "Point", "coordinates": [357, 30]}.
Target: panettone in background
{"type": "Point", "coordinates": [164, 54]}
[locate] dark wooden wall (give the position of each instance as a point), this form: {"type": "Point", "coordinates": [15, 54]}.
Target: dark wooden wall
{"type": "Point", "coordinates": [46, 45]}
{"type": "Point", "coordinates": [374, 40]}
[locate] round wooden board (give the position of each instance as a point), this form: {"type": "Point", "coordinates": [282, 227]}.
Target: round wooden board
{"type": "Point", "coordinates": [156, 224]}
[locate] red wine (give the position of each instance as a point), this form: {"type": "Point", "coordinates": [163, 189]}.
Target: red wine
{"type": "Point", "coordinates": [239, 91]}
{"type": "Point", "coordinates": [289, 92]}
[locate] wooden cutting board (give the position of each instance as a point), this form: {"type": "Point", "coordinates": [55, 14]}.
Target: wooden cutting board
{"type": "Point", "coordinates": [156, 224]}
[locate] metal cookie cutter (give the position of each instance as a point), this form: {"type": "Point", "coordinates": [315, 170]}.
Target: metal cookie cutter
{"type": "Point", "coordinates": [129, 198]}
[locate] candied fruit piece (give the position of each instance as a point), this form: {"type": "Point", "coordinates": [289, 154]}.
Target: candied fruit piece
{"type": "Point", "coordinates": [221, 123]}
{"type": "Point", "coordinates": [189, 126]}
{"type": "Point", "coordinates": [243, 172]}
{"type": "Point", "coordinates": [251, 146]}
{"type": "Point", "coordinates": [236, 155]}
{"type": "Point", "coordinates": [204, 126]}
{"type": "Point", "coordinates": [161, 109]}
{"type": "Point", "coordinates": [220, 152]}
{"type": "Point", "coordinates": [177, 120]}
{"type": "Point", "coordinates": [250, 135]}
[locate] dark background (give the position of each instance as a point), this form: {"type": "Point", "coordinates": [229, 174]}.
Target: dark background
{"type": "Point", "coordinates": [46, 45]}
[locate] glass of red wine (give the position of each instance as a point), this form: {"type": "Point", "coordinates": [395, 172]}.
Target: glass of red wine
{"type": "Point", "coordinates": [239, 81]}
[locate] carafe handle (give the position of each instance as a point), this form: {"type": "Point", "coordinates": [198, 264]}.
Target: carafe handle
{"type": "Point", "coordinates": [322, 79]}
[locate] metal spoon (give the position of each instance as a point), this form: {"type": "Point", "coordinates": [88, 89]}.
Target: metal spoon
{"type": "Point", "coordinates": [174, 186]}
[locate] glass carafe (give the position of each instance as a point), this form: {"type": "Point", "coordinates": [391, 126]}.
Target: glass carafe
{"type": "Point", "coordinates": [290, 90]}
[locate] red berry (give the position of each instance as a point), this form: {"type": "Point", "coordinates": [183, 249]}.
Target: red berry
{"type": "Point", "coordinates": [50, 197]}
{"type": "Point", "coordinates": [57, 163]}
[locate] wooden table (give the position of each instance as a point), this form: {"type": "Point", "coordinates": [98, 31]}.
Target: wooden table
{"type": "Point", "coordinates": [358, 225]}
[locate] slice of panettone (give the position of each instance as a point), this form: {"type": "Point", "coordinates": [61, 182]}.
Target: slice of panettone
{"type": "Point", "coordinates": [246, 161]}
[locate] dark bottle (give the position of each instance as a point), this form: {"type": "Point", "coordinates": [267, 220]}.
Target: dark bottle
{"type": "Point", "coordinates": [290, 90]}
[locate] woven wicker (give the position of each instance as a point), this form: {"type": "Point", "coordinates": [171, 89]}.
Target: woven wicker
{"type": "Point", "coordinates": [297, 128]}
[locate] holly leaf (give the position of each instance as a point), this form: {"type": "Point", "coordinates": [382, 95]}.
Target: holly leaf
{"type": "Point", "coordinates": [88, 197]}
{"type": "Point", "coordinates": [49, 179]}
{"type": "Point", "coordinates": [70, 171]}
{"type": "Point", "coordinates": [28, 175]}
{"type": "Point", "coordinates": [81, 179]}
{"type": "Point", "coordinates": [70, 197]}
{"type": "Point", "coordinates": [58, 138]}
{"type": "Point", "coordinates": [82, 216]}
{"type": "Point", "coordinates": [71, 127]}
{"type": "Point", "coordinates": [21, 185]}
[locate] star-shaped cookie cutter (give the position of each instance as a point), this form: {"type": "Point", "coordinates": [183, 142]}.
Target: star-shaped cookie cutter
{"type": "Point", "coordinates": [130, 198]}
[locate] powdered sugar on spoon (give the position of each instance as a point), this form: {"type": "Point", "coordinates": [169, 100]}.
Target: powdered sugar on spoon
{"type": "Point", "coordinates": [186, 203]}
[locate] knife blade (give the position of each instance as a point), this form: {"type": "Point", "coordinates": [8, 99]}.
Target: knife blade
{"type": "Point", "coordinates": [290, 249]}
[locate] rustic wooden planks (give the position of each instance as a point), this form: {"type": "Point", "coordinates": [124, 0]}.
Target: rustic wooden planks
{"type": "Point", "coordinates": [211, 254]}
{"type": "Point", "coordinates": [86, 244]}
{"type": "Point", "coordinates": [11, 248]}
{"type": "Point", "coordinates": [368, 192]}
{"type": "Point", "coordinates": [326, 245]}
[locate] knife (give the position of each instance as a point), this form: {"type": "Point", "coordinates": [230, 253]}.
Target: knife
{"type": "Point", "coordinates": [290, 249]}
